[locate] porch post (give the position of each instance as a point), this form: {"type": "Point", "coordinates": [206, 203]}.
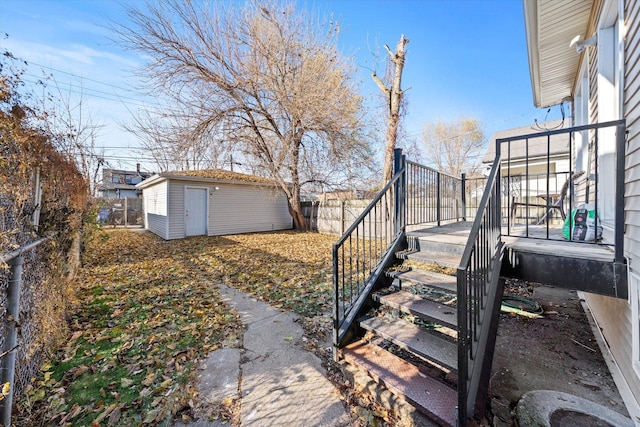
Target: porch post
{"type": "Point", "coordinates": [438, 204]}
{"type": "Point", "coordinates": [619, 218]}
{"type": "Point", "coordinates": [464, 197]}
{"type": "Point", "coordinates": [498, 203]}
{"type": "Point", "coordinates": [398, 165]}
{"type": "Point", "coordinates": [11, 338]}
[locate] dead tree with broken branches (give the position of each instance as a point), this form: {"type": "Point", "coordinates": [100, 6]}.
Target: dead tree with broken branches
{"type": "Point", "coordinates": [393, 95]}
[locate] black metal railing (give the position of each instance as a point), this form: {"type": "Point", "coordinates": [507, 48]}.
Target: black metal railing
{"type": "Point", "coordinates": [415, 195]}
{"type": "Point", "coordinates": [432, 196]}
{"type": "Point", "coordinates": [363, 251]}
{"type": "Point", "coordinates": [549, 174]}
{"type": "Point", "coordinates": [479, 293]}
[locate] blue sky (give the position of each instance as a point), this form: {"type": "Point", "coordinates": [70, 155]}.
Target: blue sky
{"type": "Point", "coordinates": [465, 58]}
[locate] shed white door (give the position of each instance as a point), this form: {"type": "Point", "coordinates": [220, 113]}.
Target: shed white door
{"type": "Point", "coordinates": [195, 211]}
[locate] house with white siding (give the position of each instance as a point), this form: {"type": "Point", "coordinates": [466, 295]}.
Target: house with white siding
{"type": "Point", "coordinates": [212, 202]}
{"type": "Point", "coordinates": [532, 171]}
{"type": "Point", "coordinates": [587, 53]}
{"type": "Point", "coordinates": [121, 184]}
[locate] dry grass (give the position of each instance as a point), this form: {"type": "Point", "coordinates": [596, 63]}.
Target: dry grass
{"type": "Point", "coordinates": [148, 310]}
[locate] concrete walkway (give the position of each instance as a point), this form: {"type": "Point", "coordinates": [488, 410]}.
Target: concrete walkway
{"type": "Point", "coordinates": [278, 382]}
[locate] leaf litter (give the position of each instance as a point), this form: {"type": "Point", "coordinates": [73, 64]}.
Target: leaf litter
{"type": "Point", "coordinates": [147, 311]}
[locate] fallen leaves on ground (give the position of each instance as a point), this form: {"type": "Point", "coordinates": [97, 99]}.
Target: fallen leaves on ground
{"type": "Point", "coordinates": [148, 311]}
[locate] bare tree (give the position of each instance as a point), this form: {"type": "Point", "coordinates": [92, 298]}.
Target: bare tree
{"type": "Point", "coordinates": [455, 147]}
{"type": "Point", "coordinates": [393, 95]}
{"type": "Point", "coordinates": [75, 133]}
{"type": "Point", "coordinates": [173, 144]}
{"type": "Point", "coordinates": [266, 75]}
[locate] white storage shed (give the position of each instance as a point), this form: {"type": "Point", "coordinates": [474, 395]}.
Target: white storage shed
{"type": "Point", "coordinates": [212, 202]}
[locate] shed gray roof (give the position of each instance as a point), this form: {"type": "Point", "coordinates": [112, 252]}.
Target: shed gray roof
{"type": "Point", "coordinates": [537, 147]}
{"type": "Point", "coordinates": [208, 175]}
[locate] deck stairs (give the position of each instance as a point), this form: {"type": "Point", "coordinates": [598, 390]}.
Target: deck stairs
{"type": "Point", "coordinates": [410, 341]}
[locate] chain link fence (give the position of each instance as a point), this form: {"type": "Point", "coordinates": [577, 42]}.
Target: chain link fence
{"type": "Point", "coordinates": [31, 331]}
{"type": "Point", "coordinates": [40, 322]}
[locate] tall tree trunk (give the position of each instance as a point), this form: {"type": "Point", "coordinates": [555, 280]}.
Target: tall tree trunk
{"type": "Point", "coordinates": [393, 95]}
{"type": "Point", "coordinates": [295, 205]}
{"type": "Point", "coordinates": [295, 209]}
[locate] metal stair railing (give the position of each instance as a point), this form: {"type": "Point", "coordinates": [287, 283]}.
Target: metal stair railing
{"type": "Point", "coordinates": [416, 194]}
{"type": "Point", "coordinates": [478, 296]}
{"type": "Point", "coordinates": [365, 249]}
{"type": "Point", "coordinates": [432, 196]}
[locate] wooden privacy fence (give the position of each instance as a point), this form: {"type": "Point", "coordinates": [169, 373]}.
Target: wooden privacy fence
{"type": "Point", "coordinates": [335, 216]}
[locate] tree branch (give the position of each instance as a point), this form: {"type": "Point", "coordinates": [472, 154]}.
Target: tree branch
{"type": "Point", "coordinates": [380, 84]}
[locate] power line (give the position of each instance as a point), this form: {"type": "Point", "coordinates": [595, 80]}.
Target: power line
{"type": "Point", "coordinates": [80, 77]}
{"type": "Point", "coordinates": [139, 103]}
{"type": "Point", "coordinates": [87, 88]}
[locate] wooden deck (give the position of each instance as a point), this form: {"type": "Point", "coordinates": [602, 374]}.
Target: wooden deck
{"type": "Point", "coordinates": [531, 239]}
{"type": "Point", "coordinates": [529, 255]}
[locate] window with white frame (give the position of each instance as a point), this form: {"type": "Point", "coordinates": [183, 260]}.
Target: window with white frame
{"type": "Point", "coordinates": [609, 85]}
{"type": "Point", "coordinates": [581, 117]}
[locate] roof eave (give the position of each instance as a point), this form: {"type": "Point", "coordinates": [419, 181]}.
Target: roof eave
{"type": "Point", "coordinates": [150, 181]}
{"type": "Point", "coordinates": [166, 176]}
{"type": "Point", "coordinates": [550, 28]}
{"type": "Point", "coordinates": [531, 31]}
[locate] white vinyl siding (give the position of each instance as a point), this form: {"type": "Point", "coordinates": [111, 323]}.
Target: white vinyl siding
{"type": "Point", "coordinates": [176, 210]}
{"type": "Point", "coordinates": [632, 115]}
{"type": "Point", "coordinates": [231, 208]}
{"type": "Point", "coordinates": [246, 209]}
{"type": "Point", "coordinates": [630, 349]}
{"type": "Point", "coordinates": [155, 208]}
{"type": "Point", "coordinates": [614, 316]}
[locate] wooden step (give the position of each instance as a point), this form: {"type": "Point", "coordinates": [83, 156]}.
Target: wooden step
{"type": "Point", "coordinates": [441, 259]}
{"type": "Point", "coordinates": [431, 397]}
{"type": "Point", "coordinates": [428, 278]}
{"type": "Point", "coordinates": [440, 351]}
{"type": "Point", "coordinates": [423, 308]}
{"type": "Point", "coordinates": [437, 243]}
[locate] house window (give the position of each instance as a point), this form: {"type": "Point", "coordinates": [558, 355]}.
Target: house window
{"type": "Point", "coordinates": [115, 179]}
{"type": "Point", "coordinates": [581, 117]}
{"type": "Point", "coordinates": [610, 63]}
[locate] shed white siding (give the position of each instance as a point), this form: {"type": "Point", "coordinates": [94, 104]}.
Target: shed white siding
{"type": "Point", "coordinates": [155, 208]}
{"type": "Point", "coordinates": [232, 208]}
{"type": "Point", "coordinates": [246, 209]}
{"type": "Point", "coordinates": [175, 209]}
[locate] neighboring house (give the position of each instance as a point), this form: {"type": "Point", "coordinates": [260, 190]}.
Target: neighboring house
{"type": "Point", "coordinates": [526, 168]}
{"type": "Point", "coordinates": [121, 184]}
{"type": "Point", "coordinates": [212, 202]}
{"type": "Point", "coordinates": [531, 160]}
{"type": "Point", "coordinates": [586, 51]}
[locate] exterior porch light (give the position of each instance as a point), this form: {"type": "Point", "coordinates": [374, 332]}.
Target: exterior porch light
{"type": "Point", "coordinates": [581, 45]}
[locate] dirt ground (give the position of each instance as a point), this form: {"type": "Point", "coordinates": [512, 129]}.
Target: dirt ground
{"type": "Point", "coordinates": [558, 352]}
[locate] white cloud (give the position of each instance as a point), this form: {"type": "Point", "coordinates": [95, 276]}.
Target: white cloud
{"type": "Point", "coordinates": [58, 57]}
